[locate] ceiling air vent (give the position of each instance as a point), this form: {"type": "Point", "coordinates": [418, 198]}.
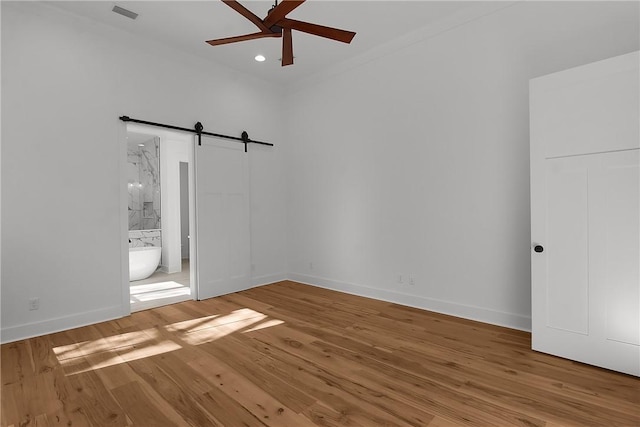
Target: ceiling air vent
{"type": "Point", "coordinates": [124, 12]}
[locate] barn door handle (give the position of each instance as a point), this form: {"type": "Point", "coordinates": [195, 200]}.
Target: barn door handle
{"type": "Point", "coordinates": [538, 248]}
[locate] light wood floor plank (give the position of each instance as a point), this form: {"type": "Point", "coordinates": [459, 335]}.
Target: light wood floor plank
{"type": "Point", "coordinates": [141, 408]}
{"type": "Point", "coordinates": [288, 354]}
{"type": "Point", "coordinates": [328, 389]}
{"type": "Point", "coordinates": [243, 360]}
{"type": "Point", "coordinates": [257, 401]}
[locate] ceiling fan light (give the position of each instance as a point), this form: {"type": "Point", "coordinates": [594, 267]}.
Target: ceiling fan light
{"type": "Point", "coordinates": [260, 58]}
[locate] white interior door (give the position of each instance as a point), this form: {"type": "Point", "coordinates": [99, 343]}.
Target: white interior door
{"type": "Point", "coordinates": [222, 218]}
{"type": "Point", "coordinates": [585, 214]}
{"type": "Point", "coordinates": [586, 281]}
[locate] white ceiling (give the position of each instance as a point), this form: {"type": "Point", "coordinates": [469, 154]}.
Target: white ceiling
{"type": "Point", "coordinates": [186, 25]}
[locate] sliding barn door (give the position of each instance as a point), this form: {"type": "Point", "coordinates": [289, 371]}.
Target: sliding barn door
{"type": "Point", "coordinates": [585, 214]}
{"type": "Point", "coordinates": [222, 218]}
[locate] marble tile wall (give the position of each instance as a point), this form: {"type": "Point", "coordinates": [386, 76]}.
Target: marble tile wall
{"type": "Point", "coordinates": [141, 238]}
{"type": "Point", "coordinates": [143, 177]}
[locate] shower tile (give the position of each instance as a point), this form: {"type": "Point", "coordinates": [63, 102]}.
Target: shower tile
{"type": "Point", "coordinates": [140, 238]}
{"type": "Point", "coordinates": [144, 185]}
{"type": "Point", "coordinates": [134, 220]}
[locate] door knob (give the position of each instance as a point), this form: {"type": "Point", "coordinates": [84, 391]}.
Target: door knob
{"type": "Point", "coordinates": [538, 248]}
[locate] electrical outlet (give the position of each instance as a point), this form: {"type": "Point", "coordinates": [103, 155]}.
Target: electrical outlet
{"type": "Point", "coordinates": [34, 303]}
{"type": "Point", "coordinates": [411, 281]}
{"type": "Point", "coordinates": [400, 278]}
{"type": "Point", "coordinates": [253, 267]}
{"type": "Point", "coordinates": [310, 265]}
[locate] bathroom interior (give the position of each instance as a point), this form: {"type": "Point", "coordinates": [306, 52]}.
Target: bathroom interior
{"type": "Point", "coordinates": [159, 258]}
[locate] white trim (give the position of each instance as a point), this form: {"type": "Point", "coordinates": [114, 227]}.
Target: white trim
{"type": "Point", "coordinates": [480, 314]}
{"type": "Point", "coordinates": [193, 224]}
{"type": "Point", "coordinates": [124, 220]}
{"type": "Point", "coordinates": [173, 136]}
{"type": "Point", "coordinates": [268, 279]}
{"type": "Point", "coordinates": [50, 326]}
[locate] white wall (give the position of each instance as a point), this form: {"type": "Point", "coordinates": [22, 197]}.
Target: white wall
{"type": "Point", "coordinates": [416, 162]}
{"type": "Point", "coordinates": [65, 82]}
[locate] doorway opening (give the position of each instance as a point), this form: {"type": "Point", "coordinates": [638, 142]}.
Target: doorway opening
{"type": "Point", "coordinates": [159, 217]}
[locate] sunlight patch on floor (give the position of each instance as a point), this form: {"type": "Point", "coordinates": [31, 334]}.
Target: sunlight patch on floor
{"type": "Point", "coordinates": [114, 342]}
{"type": "Point", "coordinates": [203, 336]}
{"type": "Point", "coordinates": [210, 328]}
{"type": "Point", "coordinates": [101, 353]}
{"type": "Point", "coordinates": [153, 287]}
{"type": "Point", "coordinates": [155, 291]}
{"type": "Point", "coordinates": [214, 321]}
{"type": "Point", "coordinates": [121, 348]}
{"type": "Point", "coordinates": [264, 325]}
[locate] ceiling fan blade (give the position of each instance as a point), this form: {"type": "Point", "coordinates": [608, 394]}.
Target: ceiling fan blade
{"type": "Point", "coordinates": [318, 30]}
{"type": "Point", "coordinates": [233, 4]}
{"type": "Point", "coordinates": [228, 40]}
{"type": "Point", "coordinates": [280, 11]}
{"type": "Point", "coordinates": [287, 47]}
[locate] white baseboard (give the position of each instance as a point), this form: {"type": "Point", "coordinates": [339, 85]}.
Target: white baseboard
{"type": "Point", "coordinates": [268, 279]}
{"type": "Point", "coordinates": [480, 314]}
{"type": "Point", "coordinates": [510, 320]}
{"type": "Point", "coordinates": [49, 326]}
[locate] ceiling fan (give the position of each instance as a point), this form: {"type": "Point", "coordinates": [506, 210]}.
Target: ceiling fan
{"type": "Point", "coordinates": [276, 24]}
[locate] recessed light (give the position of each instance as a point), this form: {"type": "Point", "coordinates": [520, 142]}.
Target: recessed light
{"type": "Point", "coordinates": [260, 58]}
{"type": "Point", "coordinates": [140, 145]}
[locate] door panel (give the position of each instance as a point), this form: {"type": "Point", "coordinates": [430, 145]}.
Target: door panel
{"type": "Point", "coordinates": [237, 226]}
{"type": "Point", "coordinates": [222, 215]}
{"type": "Point", "coordinates": [212, 260]}
{"type": "Point", "coordinates": [586, 283]}
{"type": "Point", "coordinates": [621, 224]}
{"type": "Point", "coordinates": [567, 290]}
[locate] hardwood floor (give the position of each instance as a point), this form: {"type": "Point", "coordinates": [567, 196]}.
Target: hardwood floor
{"type": "Point", "coordinates": [293, 355]}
